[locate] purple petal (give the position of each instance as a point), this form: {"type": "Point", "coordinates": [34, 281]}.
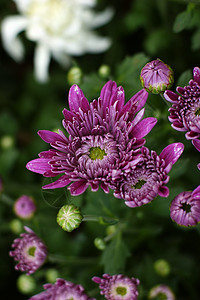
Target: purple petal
{"type": "Point", "coordinates": [61, 182]}
{"type": "Point", "coordinates": [196, 193]}
{"type": "Point", "coordinates": [196, 74]}
{"type": "Point", "coordinates": [163, 191]}
{"type": "Point", "coordinates": [74, 98]}
{"type": "Point", "coordinates": [107, 91]}
{"type": "Point", "coordinates": [198, 166]}
{"type": "Point", "coordinates": [191, 135]}
{"type": "Point", "coordinates": [171, 153]}
{"type": "Point", "coordinates": [170, 96]}
{"type": "Point", "coordinates": [47, 154]}
{"type": "Point", "coordinates": [135, 103]}
{"type": "Point", "coordinates": [196, 143]}
{"type": "Point", "coordinates": [50, 136]}
{"type": "Point", "coordinates": [39, 165]}
{"type": "Point", "coordinates": [78, 187]}
{"type": "Point", "coordinates": [143, 127]}
{"type": "Point", "coordinates": [68, 115]}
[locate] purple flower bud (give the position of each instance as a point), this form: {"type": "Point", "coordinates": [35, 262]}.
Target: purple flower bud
{"type": "Point", "coordinates": [24, 207]}
{"type": "Point", "coordinates": [62, 289]}
{"type": "Point", "coordinates": [118, 287]}
{"type": "Point", "coordinates": [156, 76]}
{"type": "Point", "coordinates": [29, 251]}
{"type": "Point", "coordinates": [185, 208]}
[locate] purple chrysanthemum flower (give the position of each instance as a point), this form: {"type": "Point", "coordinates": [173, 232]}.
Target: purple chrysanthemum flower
{"type": "Point", "coordinates": [103, 136]}
{"type": "Point", "coordinates": [185, 110]}
{"type": "Point", "coordinates": [24, 207]}
{"type": "Point", "coordinates": [156, 76]}
{"type": "Point", "coordinates": [118, 287]}
{"type": "Point", "coordinates": [185, 208]}
{"type": "Point", "coordinates": [30, 252]}
{"type": "Point", "coordinates": [142, 182]}
{"type": "Point", "coordinates": [162, 292]}
{"type": "Point", "coordinates": [62, 290]}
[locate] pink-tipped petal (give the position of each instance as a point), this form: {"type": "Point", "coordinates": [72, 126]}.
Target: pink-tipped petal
{"type": "Point", "coordinates": [163, 191]}
{"type": "Point", "coordinates": [61, 182]}
{"type": "Point", "coordinates": [143, 127]}
{"type": "Point", "coordinates": [78, 187]}
{"type": "Point", "coordinates": [196, 193]}
{"type": "Point", "coordinates": [171, 153]}
{"type": "Point", "coordinates": [38, 165]}
{"type": "Point", "coordinates": [74, 98]}
{"type": "Point", "coordinates": [50, 136]}
{"type": "Point", "coordinates": [170, 96]}
{"type": "Point", "coordinates": [196, 143]}
{"type": "Point", "coordinates": [196, 74]}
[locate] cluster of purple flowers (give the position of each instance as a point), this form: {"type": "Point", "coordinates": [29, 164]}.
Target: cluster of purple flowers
{"type": "Point", "coordinates": [104, 147]}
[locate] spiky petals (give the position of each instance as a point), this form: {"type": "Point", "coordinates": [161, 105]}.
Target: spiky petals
{"type": "Point", "coordinates": [118, 287]}
{"type": "Point", "coordinates": [29, 251]}
{"type": "Point", "coordinates": [142, 182]}
{"type": "Point", "coordinates": [62, 289]}
{"type": "Point", "coordinates": [185, 208]}
{"type": "Point", "coordinates": [104, 136]}
{"type": "Point", "coordinates": [185, 110]}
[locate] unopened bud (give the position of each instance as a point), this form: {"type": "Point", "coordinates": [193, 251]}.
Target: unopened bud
{"type": "Point", "coordinates": [51, 275]}
{"type": "Point", "coordinates": [24, 207]}
{"type": "Point", "coordinates": [162, 267]}
{"type": "Point", "coordinates": [99, 243]}
{"type": "Point", "coordinates": [16, 226]}
{"type": "Point", "coordinates": [26, 284]}
{"type": "Point", "coordinates": [104, 71]}
{"type": "Point", "coordinates": [69, 217]}
{"type": "Point", "coordinates": [156, 76]}
{"type": "Point", "coordinates": [74, 76]}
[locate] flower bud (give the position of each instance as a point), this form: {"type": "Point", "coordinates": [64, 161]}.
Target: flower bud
{"type": "Point", "coordinates": [162, 267]}
{"type": "Point", "coordinates": [99, 243]}
{"type": "Point", "coordinates": [26, 284]}
{"type": "Point", "coordinates": [104, 71]}
{"type": "Point", "coordinates": [24, 207]}
{"type": "Point", "coordinates": [74, 76]}
{"type": "Point", "coordinates": [156, 76]}
{"type": "Point", "coordinates": [69, 217]}
{"type": "Point", "coordinates": [16, 226]}
{"type": "Point", "coordinates": [51, 275]}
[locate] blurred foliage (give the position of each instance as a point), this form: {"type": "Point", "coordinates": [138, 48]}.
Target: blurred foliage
{"type": "Point", "coordinates": [141, 30]}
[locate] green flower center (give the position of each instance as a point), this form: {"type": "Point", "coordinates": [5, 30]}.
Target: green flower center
{"type": "Point", "coordinates": [31, 251]}
{"type": "Point", "coordinates": [197, 112]}
{"type": "Point", "coordinates": [121, 290]}
{"type": "Point", "coordinates": [160, 296]}
{"type": "Point", "coordinates": [186, 207]}
{"type": "Point", "coordinates": [97, 153]}
{"type": "Point", "coordinates": [138, 184]}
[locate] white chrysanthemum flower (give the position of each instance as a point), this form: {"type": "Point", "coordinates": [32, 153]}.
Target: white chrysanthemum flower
{"type": "Point", "coordinates": [60, 28]}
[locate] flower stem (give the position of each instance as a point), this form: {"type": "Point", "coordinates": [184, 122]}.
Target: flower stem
{"type": "Point", "coordinates": [6, 199]}
{"type": "Point", "coordinates": [163, 98]}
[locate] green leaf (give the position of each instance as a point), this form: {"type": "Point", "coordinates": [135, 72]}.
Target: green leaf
{"type": "Point", "coordinates": [182, 21]}
{"type": "Point", "coordinates": [115, 255]}
{"type": "Point", "coordinates": [196, 40]}
{"type": "Point", "coordinates": [184, 78]}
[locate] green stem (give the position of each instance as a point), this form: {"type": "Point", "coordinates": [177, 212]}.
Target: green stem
{"type": "Point", "coordinates": [163, 98]}
{"type": "Point", "coordinates": [6, 199]}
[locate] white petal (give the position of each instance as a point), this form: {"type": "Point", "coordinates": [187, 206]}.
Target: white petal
{"type": "Point", "coordinates": [102, 18]}
{"type": "Point", "coordinates": [62, 58]}
{"type": "Point", "coordinates": [42, 58]}
{"type": "Point", "coordinates": [96, 44]}
{"type": "Point", "coordinates": [87, 2]}
{"type": "Point", "coordinates": [22, 5]}
{"type": "Point", "coordinates": [10, 28]}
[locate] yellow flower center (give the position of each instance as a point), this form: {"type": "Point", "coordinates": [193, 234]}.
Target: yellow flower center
{"type": "Point", "coordinates": [31, 251]}
{"type": "Point", "coordinates": [138, 184]}
{"type": "Point", "coordinates": [121, 290]}
{"type": "Point", "coordinates": [97, 153]}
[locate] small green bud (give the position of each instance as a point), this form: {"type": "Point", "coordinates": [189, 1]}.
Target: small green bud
{"type": "Point", "coordinates": [16, 226]}
{"type": "Point", "coordinates": [26, 284]}
{"type": "Point", "coordinates": [110, 230]}
{"type": "Point", "coordinates": [74, 76]}
{"type": "Point", "coordinates": [162, 267]}
{"type": "Point", "coordinates": [99, 243]}
{"type": "Point", "coordinates": [7, 142]}
{"type": "Point", "coordinates": [69, 217]}
{"type": "Point", "coordinates": [51, 275]}
{"type": "Point", "coordinates": [104, 71]}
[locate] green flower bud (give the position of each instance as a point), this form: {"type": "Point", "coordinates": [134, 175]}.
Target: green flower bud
{"type": "Point", "coordinates": [99, 243]}
{"type": "Point", "coordinates": [74, 76]}
{"type": "Point", "coordinates": [51, 275]}
{"type": "Point", "coordinates": [104, 71]}
{"type": "Point", "coordinates": [16, 226]}
{"type": "Point", "coordinates": [26, 284]}
{"type": "Point", "coordinates": [69, 217]}
{"type": "Point", "coordinates": [162, 267]}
